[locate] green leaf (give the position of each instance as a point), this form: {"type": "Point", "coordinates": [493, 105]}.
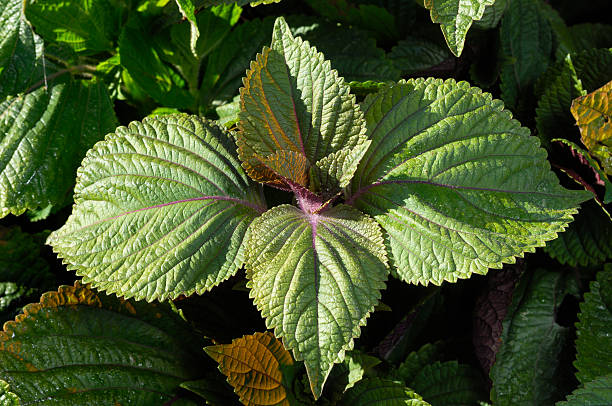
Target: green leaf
{"type": "Point", "coordinates": [20, 50]}
{"type": "Point", "coordinates": [416, 361]}
{"type": "Point", "coordinates": [593, 114]}
{"type": "Point", "coordinates": [299, 121]}
{"type": "Point", "coordinates": [7, 398]}
{"type": "Point", "coordinates": [140, 58]}
{"type": "Point", "coordinates": [594, 327]}
{"type": "Point", "coordinates": [531, 330]}
{"type": "Point", "coordinates": [84, 25]}
{"type": "Point", "coordinates": [226, 65]}
{"type": "Point", "coordinates": [492, 15]}
{"type": "Point", "coordinates": [43, 136]}
{"type": "Point", "coordinates": [594, 393]}
{"type": "Point", "coordinates": [315, 278]}
{"type": "Point", "coordinates": [81, 348]}
{"type": "Point", "coordinates": [228, 113]}
{"type": "Point", "coordinates": [527, 49]}
{"type": "Point", "coordinates": [258, 367]}
{"type": "Point", "coordinates": [594, 67]}
{"type": "Point", "coordinates": [210, 3]}
{"type": "Point", "coordinates": [414, 54]}
{"type": "Point", "coordinates": [449, 384]}
{"type": "Point", "coordinates": [355, 366]}
{"type": "Point", "coordinates": [161, 209]}
{"type": "Point", "coordinates": [458, 185]}
{"type": "Point", "coordinates": [379, 392]}
{"type": "Point", "coordinates": [587, 241]}
{"type": "Point", "coordinates": [455, 18]}
{"type": "Point", "coordinates": [187, 9]}
{"type": "Point", "coordinates": [24, 273]}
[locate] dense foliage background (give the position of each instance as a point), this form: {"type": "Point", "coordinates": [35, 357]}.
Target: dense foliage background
{"type": "Point", "coordinates": [538, 331]}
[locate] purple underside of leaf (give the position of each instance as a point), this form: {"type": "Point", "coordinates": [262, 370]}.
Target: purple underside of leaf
{"type": "Point", "coordinates": [365, 189]}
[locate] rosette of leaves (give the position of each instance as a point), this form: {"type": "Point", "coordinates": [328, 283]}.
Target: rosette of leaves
{"type": "Point", "coordinates": [432, 180]}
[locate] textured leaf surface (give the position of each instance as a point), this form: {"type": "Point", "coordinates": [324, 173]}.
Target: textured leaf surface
{"type": "Point", "coordinates": [530, 329]}
{"type": "Point", "coordinates": [299, 120]}
{"type": "Point", "coordinates": [413, 54]}
{"type": "Point", "coordinates": [527, 46]}
{"type": "Point", "coordinates": [458, 185]}
{"type": "Point", "coordinates": [20, 50]}
{"type": "Point", "coordinates": [77, 347]}
{"type": "Point", "coordinates": [43, 137]}
{"type": "Point", "coordinates": [587, 241]}
{"type": "Point", "coordinates": [416, 361]}
{"type": "Point", "coordinates": [84, 25]}
{"type": "Point", "coordinates": [161, 209]}
{"type": "Point", "coordinates": [593, 114]}
{"type": "Point", "coordinates": [455, 18]}
{"type": "Point", "coordinates": [187, 9]}
{"type": "Point", "coordinates": [595, 330]}
{"type": "Point", "coordinates": [594, 393]}
{"type": "Point", "coordinates": [379, 392]}
{"type": "Point", "coordinates": [23, 272]}
{"type": "Point", "coordinates": [258, 367]}
{"type": "Point", "coordinates": [316, 278]}
{"type": "Point", "coordinates": [449, 384]}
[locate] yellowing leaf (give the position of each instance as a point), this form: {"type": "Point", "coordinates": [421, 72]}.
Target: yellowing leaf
{"type": "Point", "coordinates": [255, 367]}
{"type": "Point", "coordinates": [592, 113]}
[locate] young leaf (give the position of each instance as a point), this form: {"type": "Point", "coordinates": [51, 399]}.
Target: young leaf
{"type": "Point", "coordinates": [258, 367]}
{"type": "Point", "coordinates": [597, 392]}
{"type": "Point", "coordinates": [315, 278]}
{"type": "Point", "coordinates": [298, 120]}
{"type": "Point", "coordinates": [587, 241]}
{"type": "Point", "coordinates": [80, 348]}
{"type": "Point", "coordinates": [593, 114]}
{"type": "Point", "coordinates": [84, 25]}
{"type": "Point", "coordinates": [43, 136]}
{"type": "Point", "coordinates": [449, 384]}
{"type": "Point", "coordinates": [531, 330]}
{"type": "Point", "coordinates": [527, 47]}
{"type": "Point", "coordinates": [455, 19]}
{"type": "Point", "coordinates": [458, 185]}
{"type": "Point", "coordinates": [379, 392]}
{"type": "Point", "coordinates": [161, 209]}
{"type": "Point", "coordinates": [594, 340]}
{"type": "Point", "coordinates": [20, 50]}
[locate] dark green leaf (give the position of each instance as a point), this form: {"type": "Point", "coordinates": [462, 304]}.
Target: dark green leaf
{"type": "Point", "coordinates": [379, 392]}
{"type": "Point", "coordinates": [597, 392]}
{"type": "Point", "coordinates": [413, 54]}
{"type": "Point", "coordinates": [449, 384]}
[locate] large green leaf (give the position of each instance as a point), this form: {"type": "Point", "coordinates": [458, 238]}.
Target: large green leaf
{"type": "Point", "coordinates": [77, 347]}
{"type": "Point", "coordinates": [43, 136]}
{"type": "Point", "coordinates": [315, 278]}
{"type": "Point", "coordinates": [527, 49]}
{"type": "Point", "coordinates": [458, 185]}
{"type": "Point", "coordinates": [594, 393]}
{"type": "Point", "coordinates": [449, 384]}
{"type": "Point", "coordinates": [594, 339]}
{"type": "Point", "coordinates": [530, 329]}
{"type": "Point", "coordinates": [299, 122]}
{"type": "Point", "coordinates": [380, 392]}
{"type": "Point", "coordinates": [20, 50]}
{"type": "Point", "coordinates": [84, 25]}
{"type": "Point", "coordinates": [455, 18]}
{"type": "Point", "coordinates": [587, 241]}
{"type": "Point", "coordinates": [161, 209]}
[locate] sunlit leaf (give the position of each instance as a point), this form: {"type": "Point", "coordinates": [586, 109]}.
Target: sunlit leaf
{"type": "Point", "coordinates": [597, 392]}
{"type": "Point", "coordinates": [161, 209]}
{"type": "Point", "coordinates": [258, 367]}
{"type": "Point", "coordinates": [315, 277]}
{"type": "Point", "coordinates": [295, 109]}
{"type": "Point", "coordinates": [459, 186]}
{"type": "Point", "coordinates": [7, 398]}
{"type": "Point", "coordinates": [593, 114]}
